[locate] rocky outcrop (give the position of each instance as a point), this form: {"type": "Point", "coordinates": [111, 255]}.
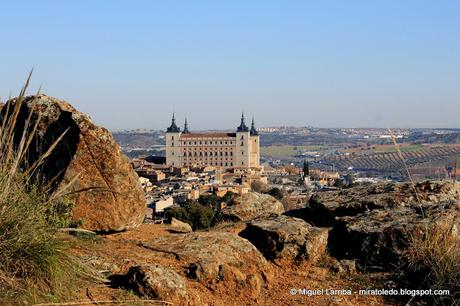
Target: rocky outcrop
{"type": "Point", "coordinates": [376, 224]}
{"type": "Point", "coordinates": [381, 238]}
{"type": "Point", "coordinates": [218, 260]}
{"type": "Point", "coordinates": [252, 205]}
{"type": "Point", "coordinates": [87, 163]}
{"type": "Point", "coordinates": [180, 227]}
{"type": "Point", "coordinates": [324, 207]}
{"type": "Point", "coordinates": [287, 238]}
{"type": "Point", "coordinates": [158, 282]}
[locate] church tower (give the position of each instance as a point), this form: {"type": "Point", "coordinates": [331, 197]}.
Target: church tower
{"type": "Point", "coordinates": [173, 151]}
{"type": "Point", "coordinates": [254, 146]}
{"type": "Point", "coordinates": [242, 145]}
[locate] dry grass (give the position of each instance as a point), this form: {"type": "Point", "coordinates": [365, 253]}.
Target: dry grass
{"type": "Point", "coordinates": [34, 263]}
{"type": "Point", "coordinates": [436, 256]}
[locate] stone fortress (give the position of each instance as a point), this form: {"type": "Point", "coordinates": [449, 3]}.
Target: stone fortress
{"type": "Point", "coordinates": [238, 149]}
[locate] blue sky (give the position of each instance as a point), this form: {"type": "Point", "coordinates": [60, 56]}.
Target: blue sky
{"type": "Point", "coordinates": [129, 64]}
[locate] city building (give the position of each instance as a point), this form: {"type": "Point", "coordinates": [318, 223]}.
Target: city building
{"type": "Point", "coordinates": [238, 149]}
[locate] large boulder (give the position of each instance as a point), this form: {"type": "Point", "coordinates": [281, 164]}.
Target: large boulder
{"type": "Point", "coordinates": [219, 260]}
{"type": "Point", "coordinates": [157, 282]}
{"type": "Point", "coordinates": [324, 207]}
{"type": "Point", "coordinates": [380, 239]}
{"type": "Point", "coordinates": [87, 163]}
{"type": "Point", "coordinates": [252, 205]}
{"type": "Point", "coordinates": [180, 227]}
{"type": "Point", "coordinates": [377, 224]}
{"type": "Point", "coordinates": [288, 238]}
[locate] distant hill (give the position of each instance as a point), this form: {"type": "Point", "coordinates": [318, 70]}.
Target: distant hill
{"type": "Point", "coordinates": [139, 140]}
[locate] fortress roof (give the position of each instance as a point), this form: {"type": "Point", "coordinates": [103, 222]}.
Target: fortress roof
{"type": "Point", "coordinates": [208, 135]}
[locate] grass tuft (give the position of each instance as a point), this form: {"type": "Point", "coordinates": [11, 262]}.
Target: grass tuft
{"type": "Point", "coordinates": [34, 264]}
{"type": "Point", "coordinates": [435, 255]}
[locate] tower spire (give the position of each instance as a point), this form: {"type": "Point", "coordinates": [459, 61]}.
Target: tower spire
{"type": "Point", "coordinates": [242, 127]}
{"type": "Point", "coordinates": [173, 128]}
{"type": "Point", "coordinates": [253, 130]}
{"type": "Point", "coordinates": [186, 131]}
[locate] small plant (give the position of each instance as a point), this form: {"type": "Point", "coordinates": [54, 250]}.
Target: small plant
{"type": "Point", "coordinates": [435, 255]}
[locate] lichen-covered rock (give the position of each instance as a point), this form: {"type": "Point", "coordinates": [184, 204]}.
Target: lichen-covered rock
{"type": "Point", "coordinates": [381, 238]}
{"type": "Point", "coordinates": [288, 238]}
{"type": "Point", "coordinates": [87, 162]}
{"type": "Point", "coordinates": [375, 224]}
{"type": "Point", "coordinates": [252, 205]}
{"type": "Point", "coordinates": [218, 259]}
{"type": "Point", "coordinates": [324, 207]}
{"type": "Point", "coordinates": [158, 282]}
{"type": "Point", "coordinates": [180, 227]}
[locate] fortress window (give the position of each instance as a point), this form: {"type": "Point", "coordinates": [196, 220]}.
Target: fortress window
{"type": "Point", "coordinates": [242, 143]}
{"type": "Point", "coordinates": [231, 153]}
{"type": "Point", "coordinates": [172, 153]}
{"type": "Point", "coordinates": [221, 154]}
{"type": "Point", "coordinates": [231, 164]}
{"type": "Point", "coordinates": [242, 137]}
{"type": "Point", "coordinates": [226, 153]}
{"type": "Point", "coordinates": [225, 142]}
{"type": "Point", "coordinates": [242, 153]}
{"type": "Point", "coordinates": [172, 137]}
{"type": "Point", "coordinates": [195, 142]}
{"type": "Point", "coordinates": [221, 142]}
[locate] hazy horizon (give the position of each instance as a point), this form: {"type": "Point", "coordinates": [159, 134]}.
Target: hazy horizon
{"type": "Point", "coordinates": [294, 63]}
{"type": "Point", "coordinates": [288, 126]}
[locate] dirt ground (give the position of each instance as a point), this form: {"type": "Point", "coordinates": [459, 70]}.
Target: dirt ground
{"type": "Point", "coordinates": [114, 254]}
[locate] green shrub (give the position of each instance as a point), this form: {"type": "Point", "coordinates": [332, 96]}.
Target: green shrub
{"type": "Point", "coordinates": [211, 200]}
{"type": "Point", "coordinates": [59, 213]}
{"type": "Point", "coordinates": [202, 216]}
{"type": "Point", "coordinates": [195, 214]}
{"type": "Point", "coordinates": [179, 213]}
{"type": "Point", "coordinates": [276, 193]}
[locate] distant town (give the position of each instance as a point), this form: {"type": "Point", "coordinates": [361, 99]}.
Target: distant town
{"type": "Point", "coordinates": [177, 167]}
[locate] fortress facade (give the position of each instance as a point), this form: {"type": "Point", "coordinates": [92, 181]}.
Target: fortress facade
{"type": "Point", "coordinates": [238, 149]}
